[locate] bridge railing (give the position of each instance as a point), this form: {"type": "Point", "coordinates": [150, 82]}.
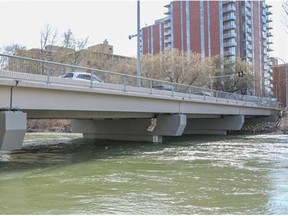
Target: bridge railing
{"type": "Point", "coordinates": [49, 72]}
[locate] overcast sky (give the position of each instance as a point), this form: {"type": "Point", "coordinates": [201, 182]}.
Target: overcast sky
{"type": "Point", "coordinates": [22, 21]}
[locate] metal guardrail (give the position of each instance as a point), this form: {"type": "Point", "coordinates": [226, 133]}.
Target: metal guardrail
{"type": "Point", "coordinates": [49, 72]}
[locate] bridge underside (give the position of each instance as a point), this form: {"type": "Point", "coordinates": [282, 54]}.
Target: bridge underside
{"type": "Point", "coordinates": [145, 127]}
{"type": "Point", "coordinates": [153, 129]}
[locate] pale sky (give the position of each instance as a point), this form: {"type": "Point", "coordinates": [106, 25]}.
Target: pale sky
{"type": "Point", "coordinates": [23, 20]}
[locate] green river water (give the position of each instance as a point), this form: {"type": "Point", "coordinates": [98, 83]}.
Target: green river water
{"type": "Point", "coordinates": [64, 174]}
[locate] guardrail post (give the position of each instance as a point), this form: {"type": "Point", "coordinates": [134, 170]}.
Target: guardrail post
{"type": "Point", "coordinates": [48, 73]}
{"type": "Point", "coordinates": [91, 80]}
{"type": "Point", "coordinates": [189, 90]}
{"type": "Point", "coordinates": [150, 86]}
{"type": "Point", "coordinates": [125, 83]}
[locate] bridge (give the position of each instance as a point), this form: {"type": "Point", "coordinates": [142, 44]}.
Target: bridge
{"type": "Point", "coordinates": [123, 107]}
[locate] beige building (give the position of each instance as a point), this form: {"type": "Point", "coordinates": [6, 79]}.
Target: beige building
{"type": "Point", "coordinates": [100, 56]}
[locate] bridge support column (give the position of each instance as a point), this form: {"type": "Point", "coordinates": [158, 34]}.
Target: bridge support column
{"type": "Point", "coordinates": [151, 130]}
{"type": "Point", "coordinates": [218, 126]}
{"type": "Point", "coordinates": [12, 130]}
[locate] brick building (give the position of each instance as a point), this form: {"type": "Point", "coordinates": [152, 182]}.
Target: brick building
{"type": "Point", "coordinates": [227, 28]}
{"type": "Point", "coordinates": [280, 76]}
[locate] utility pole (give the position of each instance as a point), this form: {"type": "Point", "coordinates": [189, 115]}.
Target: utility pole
{"type": "Point", "coordinates": [138, 46]}
{"type": "Point", "coordinates": [138, 35]}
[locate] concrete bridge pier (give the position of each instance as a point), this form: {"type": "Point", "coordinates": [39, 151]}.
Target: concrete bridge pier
{"type": "Point", "coordinates": [218, 126]}
{"type": "Point", "coordinates": [12, 129]}
{"type": "Point", "coordinates": [145, 129]}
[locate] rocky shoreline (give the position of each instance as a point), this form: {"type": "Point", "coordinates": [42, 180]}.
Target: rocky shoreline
{"type": "Point", "coordinates": [252, 126]}
{"type": "Point", "coordinates": [255, 126]}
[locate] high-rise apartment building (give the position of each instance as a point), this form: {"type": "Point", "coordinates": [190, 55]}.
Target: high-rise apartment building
{"type": "Point", "coordinates": [227, 28]}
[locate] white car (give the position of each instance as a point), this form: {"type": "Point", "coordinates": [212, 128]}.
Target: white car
{"type": "Point", "coordinates": [81, 76]}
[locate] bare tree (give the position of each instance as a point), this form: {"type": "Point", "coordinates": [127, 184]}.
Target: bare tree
{"type": "Point", "coordinates": [226, 76]}
{"type": "Point", "coordinates": [285, 15]}
{"type": "Point", "coordinates": [72, 47]}
{"type": "Point", "coordinates": [13, 49]}
{"type": "Point", "coordinates": [48, 36]}
{"type": "Point", "coordinates": [174, 66]}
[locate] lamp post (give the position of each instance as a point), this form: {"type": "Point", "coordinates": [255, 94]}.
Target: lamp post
{"type": "Point", "coordinates": [138, 45]}
{"type": "Point", "coordinates": [286, 79]}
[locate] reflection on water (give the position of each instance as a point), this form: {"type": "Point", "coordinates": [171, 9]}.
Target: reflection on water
{"type": "Point", "coordinates": [65, 174]}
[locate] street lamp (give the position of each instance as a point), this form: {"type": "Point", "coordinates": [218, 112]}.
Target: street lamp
{"type": "Point", "coordinates": [286, 78]}
{"type": "Point", "coordinates": [138, 45]}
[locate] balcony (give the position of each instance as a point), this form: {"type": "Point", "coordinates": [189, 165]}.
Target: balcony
{"type": "Point", "coordinates": [249, 55]}
{"type": "Point", "coordinates": [248, 13]}
{"type": "Point", "coordinates": [269, 35]}
{"type": "Point", "coordinates": [269, 12]}
{"type": "Point", "coordinates": [269, 49]}
{"type": "Point", "coordinates": [229, 53]}
{"type": "Point", "coordinates": [249, 30]}
{"type": "Point", "coordinates": [230, 44]}
{"type": "Point", "coordinates": [168, 46]}
{"type": "Point", "coordinates": [266, 68]}
{"type": "Point", "coordinates": [167, 25]}
{"type": "Point", "coordinates": [269, 42]}
{"type": "Point", "coordinates": [229, 17]}
{"type": "Point", "coordinates": [167, 12]}
{"type": "Point", "coordinates": [248, 37]}
{"type": "Point", "coordinates": [229, 26]}
{"type": "Point", "coordinates": [231, 34]}
{"type": "Point", "coordinates": [248, 21]}
{"type": "Point", "coordinates": [228, 2]}
{"type": "Point", "coordinates": [229, 8]}
{"type": "Point", "coordinates": [167, 40]}
{"type": "Point", "coordinates": [167, 32]}
{"type": "Point", "coordinates": [249, 47]}
{"type": "Point", "coordinates": [248, 4]}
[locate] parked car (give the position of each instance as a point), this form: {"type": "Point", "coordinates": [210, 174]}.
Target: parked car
{"type": "Point", "coordinates": [81, 76]}
{"type": "Point", "coordinates": [163, 87]}
{"type": "Point", "coordinates": [209, 94]}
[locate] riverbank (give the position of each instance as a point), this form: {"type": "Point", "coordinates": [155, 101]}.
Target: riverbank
{"type": "Point", "coordinates": [258, 126]}
{"type": "Point", "coordinates": [49, 125]}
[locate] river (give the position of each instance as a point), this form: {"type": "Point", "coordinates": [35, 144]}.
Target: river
{"type": "Point", "coordinates": [64, 174]}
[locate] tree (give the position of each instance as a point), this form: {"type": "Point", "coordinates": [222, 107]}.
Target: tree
{"type": "Point", "coordinates": [175, 66]}
{"type": "Point", "coordinates": [285, 9]}
{"type": "Point", "coordinates": [226, 76]}
{"type": "Point", "coordinates": [13, 49]}
{"type": "Point", "coordinates": [72, 48]}
{"type": "Point", "coordinates": [48, 36]}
